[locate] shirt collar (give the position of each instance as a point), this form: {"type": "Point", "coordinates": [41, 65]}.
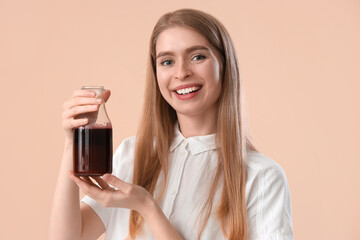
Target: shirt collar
{"type": "Point", "coordinates": [197, 144]}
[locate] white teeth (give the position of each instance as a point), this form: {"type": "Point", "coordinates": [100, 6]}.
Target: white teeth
{"type": "Point", "coordinates": [187, 90]}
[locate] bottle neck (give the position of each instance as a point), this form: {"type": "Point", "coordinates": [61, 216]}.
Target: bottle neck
{"type": "Point", "coordinates": [100, 118]}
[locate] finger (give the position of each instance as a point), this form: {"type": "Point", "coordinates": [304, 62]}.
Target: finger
{"type": "Point", "coordinates": [88, 189]}
{"type": "Point", "coordinates": [104, 197]}
{"type": "Point", "coordinates": [75, 111]}
{"type": "Point", "coordinates": [74, 123]}
{"type": "Point", "coordinates": [107, 95]}
{"type": "Point", "coordinates": [83, 93]}
{"type": "Point", "coordinates": [74, 178]}
{"type": "Point", "coordinates": [114, 181]}
{"type": "Point", "coordinates": [77, 179]}
{"type": "Point", "coordinates": [88, 181]}
{"type": "Point", "coordinates": [102, 183]}
{"type": "Point", "coordinates": [79, 101]}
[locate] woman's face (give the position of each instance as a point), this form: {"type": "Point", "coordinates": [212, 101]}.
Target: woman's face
{"type": "Point", "coordinates": [188, 71]}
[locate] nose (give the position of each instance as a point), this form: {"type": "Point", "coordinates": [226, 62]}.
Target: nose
{"type": "Point", "coordinates": [182, 70]}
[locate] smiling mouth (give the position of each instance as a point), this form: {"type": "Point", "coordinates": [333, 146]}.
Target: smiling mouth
{"type": "Point", "coordinates": [188, 90]}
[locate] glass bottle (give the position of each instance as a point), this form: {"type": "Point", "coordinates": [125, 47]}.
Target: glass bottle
{"type": "Point", "coordinates": [93, 148]}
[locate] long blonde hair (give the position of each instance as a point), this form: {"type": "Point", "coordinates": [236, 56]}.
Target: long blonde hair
{"type": "Point", "coordinates": [156, 130]}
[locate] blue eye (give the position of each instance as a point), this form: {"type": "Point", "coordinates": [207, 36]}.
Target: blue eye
{"type": "Point", "coordinates": [198, 57]}
{"type": "Point", "coordinates": [166, 62]}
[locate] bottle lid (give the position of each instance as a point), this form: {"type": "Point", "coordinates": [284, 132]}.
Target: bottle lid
{"type": "Point", "coordinates": [98, 89]}
{"type": "Point", "coordinates": [92, 87]}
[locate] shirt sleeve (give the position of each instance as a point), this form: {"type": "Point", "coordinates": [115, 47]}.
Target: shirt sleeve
{"type": "Point", "coordinates": [270, 209]}
{"type": "Point", "coordinates": [122, 168]}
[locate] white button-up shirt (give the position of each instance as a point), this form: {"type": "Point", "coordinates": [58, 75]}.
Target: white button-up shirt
{"type": "Point", "coordinates": [192, 166]}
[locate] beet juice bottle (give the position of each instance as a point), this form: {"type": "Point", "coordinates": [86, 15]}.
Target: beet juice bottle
{"type": "Point", "coordinates": [93, 142]}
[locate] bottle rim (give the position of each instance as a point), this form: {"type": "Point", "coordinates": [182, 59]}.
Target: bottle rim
{"type": "Point", "coordinates": [92, 87]}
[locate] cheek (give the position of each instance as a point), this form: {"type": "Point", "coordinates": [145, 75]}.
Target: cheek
{"type": "Point", "coordinates": [212, 73]}
{"type": "Point", "coordinates": [163, 78]}
{"type": "Point", "coordinates": [163, 86]}
{"type": "Point", "coordinates": [214, 80]}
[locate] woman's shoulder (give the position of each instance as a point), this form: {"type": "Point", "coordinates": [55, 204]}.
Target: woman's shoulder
{"type": "Point", "coordinates": [261, 168]}
{"type": "Point", "coordinates": [126, 143]}
{"type": "Point", "coordinates": [263, 174]}
{"type": "Point", "coordinates": [268, 198]}
{"type": "Point", "coordinates": [258, 162]}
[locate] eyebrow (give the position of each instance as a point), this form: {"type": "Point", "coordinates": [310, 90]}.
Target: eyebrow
{"type": "Point", "coordinates": [188, 50]}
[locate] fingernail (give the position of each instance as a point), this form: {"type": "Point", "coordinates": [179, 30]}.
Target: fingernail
{"type": "Point", "coordinates": [98, 100]}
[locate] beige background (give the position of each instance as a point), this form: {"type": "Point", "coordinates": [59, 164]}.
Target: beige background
{"type": "Point", "coordinates": [299, 61]}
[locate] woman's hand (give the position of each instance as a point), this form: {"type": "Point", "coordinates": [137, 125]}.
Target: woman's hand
{"type": "Point", "coordinates": [130, 196]}
{"type": "Point", "coordinates": [124, 195]}
{"type": "Point", "coordinates": [82, 101]}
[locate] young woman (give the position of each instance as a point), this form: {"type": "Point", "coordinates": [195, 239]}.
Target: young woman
{"type": "Point", "coordinates": [190, 172]}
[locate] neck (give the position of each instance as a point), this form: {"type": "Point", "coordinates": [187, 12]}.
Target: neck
{"type": "Point", "coordinates": [197, 125]}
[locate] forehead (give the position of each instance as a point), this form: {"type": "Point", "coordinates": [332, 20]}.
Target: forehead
{"type": "Point", "coordinates": [179, 38]}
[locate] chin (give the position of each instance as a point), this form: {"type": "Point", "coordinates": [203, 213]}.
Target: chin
{"type": "Point", "coordinates": [188, 112]}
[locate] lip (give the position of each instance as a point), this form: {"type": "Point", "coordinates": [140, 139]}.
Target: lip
{"type": "Point", "coordinates": [187, 96]}
{"type": "Point", "coordinates": [186, 86]}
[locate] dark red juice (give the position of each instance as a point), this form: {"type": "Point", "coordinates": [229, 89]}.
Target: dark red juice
{"type": "Point", "coordinates": [92, 151]}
